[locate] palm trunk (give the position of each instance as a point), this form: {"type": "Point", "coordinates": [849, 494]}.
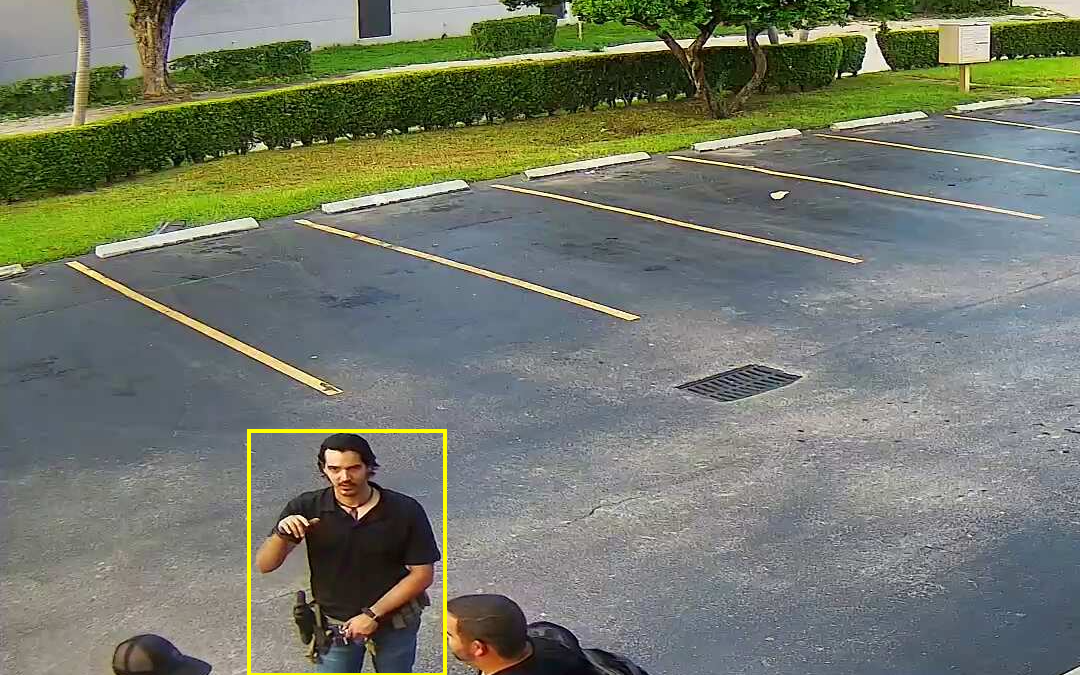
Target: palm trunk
{"type": "Point", "coordinates": [761, 64]}
{"type": "Point", "coordinates": [152, 23]}
{"type": "Point", "coordinates": [82, 71]}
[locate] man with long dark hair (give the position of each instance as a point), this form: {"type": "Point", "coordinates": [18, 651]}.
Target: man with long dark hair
{"type": "Point", "coordinates": [372, 555]}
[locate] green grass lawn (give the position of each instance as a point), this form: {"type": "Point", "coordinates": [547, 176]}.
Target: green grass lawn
{"type": "Point", "coordinates": [346, 59]}
{"type": "Point", "coordinates": [277, 183]}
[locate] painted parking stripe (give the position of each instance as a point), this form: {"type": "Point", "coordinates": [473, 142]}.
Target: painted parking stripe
{"type": "Point", "coordinates": [611, 311]}
{"type": "Point", "coordinates": [1012, 124]}
{"type": "Point", "coordinates": [858, 186]}
{"type": "Point", "coordinates": [955, 153]}
{"type": "Point", "coordinates": [680, 223]}
{"type": "Point", "coordinates": [210, 332]}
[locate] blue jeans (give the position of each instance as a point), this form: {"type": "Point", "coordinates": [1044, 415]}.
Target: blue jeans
{"type": "Point", "coordinates": [395, 652]}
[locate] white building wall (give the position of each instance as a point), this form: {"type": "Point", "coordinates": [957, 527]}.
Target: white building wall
{"type": "Point", "coordinates": [39, 37]}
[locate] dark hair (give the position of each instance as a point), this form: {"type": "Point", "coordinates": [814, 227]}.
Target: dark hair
{"type": "Point", "coordinates": [348, 443]}
{"type": "Point", "coordinates": [495, 620]}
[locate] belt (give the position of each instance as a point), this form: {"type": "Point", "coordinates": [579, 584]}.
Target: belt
{"type": "Point", "coordinates": [404, 616]}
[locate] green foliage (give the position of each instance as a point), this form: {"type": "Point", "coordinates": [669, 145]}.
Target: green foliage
{"type": "Point", "coordinates": [229, 66]}
{"type": "Point", "coordinates": [882, 10]}
{"type": "Point", "coordinates": [40, 163]}
{"type": "Point", "coordinates": [969, 7]}
{"type": "Point", "coordinates": [514, 34]}
{"type": "Point", "coordinates": [854, 53]}
{"type": "Point", "coordinates": [667, 15]}
{"type": "Point", "coordinates": [907, 49]}
{"type": "Point", "coordinates": [1035, 38]}
{"type": "Point", "coordinates": [55, 93]}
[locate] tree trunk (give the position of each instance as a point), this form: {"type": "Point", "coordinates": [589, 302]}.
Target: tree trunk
{"type": "Point", "coordinates": [693, 63]}
{"type": "Point", "coordinates": [735, 103]}
{"type": "Point", "coordinates": [82, 70]}
{"type": "Point", "coordinates": [152, 22]}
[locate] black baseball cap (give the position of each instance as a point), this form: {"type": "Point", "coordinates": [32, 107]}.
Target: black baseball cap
{"type": "Point", "coordinates": [154, 655]}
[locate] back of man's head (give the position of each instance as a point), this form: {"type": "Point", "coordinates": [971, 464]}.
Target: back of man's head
{"type": "Point", "coordinates": [495, 620]}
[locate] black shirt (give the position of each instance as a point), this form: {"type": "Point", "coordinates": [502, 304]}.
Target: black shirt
{"type": "Point", "coordinates": [550, 658]}
{"type": "Point", "coordinates": [355, 562]}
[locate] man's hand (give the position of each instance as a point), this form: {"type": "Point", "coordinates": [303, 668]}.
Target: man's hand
{"type": "Point", "coordinates": [361, 626]}
{"type": "Point", "coordinates": [297, 525]}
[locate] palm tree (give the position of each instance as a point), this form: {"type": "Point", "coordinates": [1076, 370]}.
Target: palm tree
{"type": "Point", "coordinates": [82, 72]}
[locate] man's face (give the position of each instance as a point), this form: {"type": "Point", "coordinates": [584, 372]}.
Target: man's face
{"type": "Point", "coordinates": [346, 471]}
{"type": "Point", "coordinates": [460, 646]}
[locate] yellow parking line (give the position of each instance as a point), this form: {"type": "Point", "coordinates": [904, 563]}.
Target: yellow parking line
{"type": "Point", "coordinates": [611, 311]}
{"type": "Point", "coordinates": [857, 186]}
{"type": "Point", "coordinates": [949, 152]}
{"type": "Point", "coordinates": [212, 333]}
{"type": "Point", "coordinates": [1012, 124]}
{"type": "Point", "coordinates": [679, 223]}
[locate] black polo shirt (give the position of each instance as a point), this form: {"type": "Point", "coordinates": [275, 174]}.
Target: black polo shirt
{"type": "Point", "coordinates": [354, 563]}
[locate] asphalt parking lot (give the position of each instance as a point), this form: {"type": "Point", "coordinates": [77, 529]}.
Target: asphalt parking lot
{"type": "Point", "coordinates": [908, 507]}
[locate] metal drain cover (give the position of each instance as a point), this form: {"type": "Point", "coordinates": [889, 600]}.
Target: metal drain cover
{"type": "Point", "coordinates": [741, 383]}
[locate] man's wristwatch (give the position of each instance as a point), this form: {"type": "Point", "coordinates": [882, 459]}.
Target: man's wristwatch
{"type": "Point", "coordinates": [371, 613]}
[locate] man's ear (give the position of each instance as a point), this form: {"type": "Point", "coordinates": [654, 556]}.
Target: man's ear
{"type": "Point", "coordinates": [479, 648]}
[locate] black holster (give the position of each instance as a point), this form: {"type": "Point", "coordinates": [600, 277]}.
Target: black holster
{"type": "Point", "coordinates": [314, 633]}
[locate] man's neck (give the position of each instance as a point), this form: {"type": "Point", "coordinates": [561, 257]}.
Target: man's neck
{"type": "Point", "coordinates": [506, 664]}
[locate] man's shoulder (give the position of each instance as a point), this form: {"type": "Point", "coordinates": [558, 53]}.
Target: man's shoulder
{"type": "Point", "coordinates": [401, 500]}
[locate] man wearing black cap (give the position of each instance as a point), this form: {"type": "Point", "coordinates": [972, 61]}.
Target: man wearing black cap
{"type": "Point", "coordinates": [154, 655]}
{"type": "Point", "coordinates": [372, 556]}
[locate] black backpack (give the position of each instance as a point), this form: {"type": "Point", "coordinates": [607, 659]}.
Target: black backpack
{"type": "Point", "coordinates": [602, 662]}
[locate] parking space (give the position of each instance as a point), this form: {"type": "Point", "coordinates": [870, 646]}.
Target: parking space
{"type": "Point", "coordinates": [547, 323]}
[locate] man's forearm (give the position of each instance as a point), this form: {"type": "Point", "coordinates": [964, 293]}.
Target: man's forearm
{"type": "Point", "coordinates": [272, 553]}
{"type": "Point", "coordinates": [415, 583]}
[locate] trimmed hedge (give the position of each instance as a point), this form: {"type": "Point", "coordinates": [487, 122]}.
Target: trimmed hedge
{"type": "Point", "coordinates": [907, 49]}
{"type": "Point", "coordinates": [1016, 39]}
{"type": "Point", "coordinates": [56, 93]}
{"type": "Point", "coordinates": [91, 155]}
{"type": "Point", "coordinates": [854, 54]}
{"type": "Point", "coordinates": [228, 66]}
{"type": "Point", "coordinates": [969, 7]}
{"type": "Point", "coordinates": [514, 34]}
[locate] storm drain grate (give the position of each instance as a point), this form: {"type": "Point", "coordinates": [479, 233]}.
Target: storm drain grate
{"type": "Point", "coordinates": [741, 383]}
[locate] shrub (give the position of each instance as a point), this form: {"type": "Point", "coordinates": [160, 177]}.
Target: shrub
{"type": "Point", "coordinates": [854, 54]}
{"type": "Point", "coordinates": [55, 93]}
{"type": "Point", "coordinates": [969, 7]}
{"type": "Point", "coordinates": [514, 34]}
{"type": "Point", "coordinates": [1035, 38]}
{"type": "Point", "coordinates": [906, 49]}
{"type": "Point", "coordinates": [228, 66]}
{"type": "Point", "coordinates": [88, 156]}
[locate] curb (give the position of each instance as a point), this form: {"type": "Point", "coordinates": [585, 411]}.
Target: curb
{"type": "Point", "coordinates": [999, 103]}
{"type": "Point", "coordinates": [587, 164]}
{"type": "Point", "coordinates": [394, 197]}
{"type": "Point", "coordinates": [743, 140]}
{"type": "Point", "coordinates": [178, 237]}
{"type": "Point", "coordinates": [7, 271]}
{"type": "Point", "coordinates": [872, 121]}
